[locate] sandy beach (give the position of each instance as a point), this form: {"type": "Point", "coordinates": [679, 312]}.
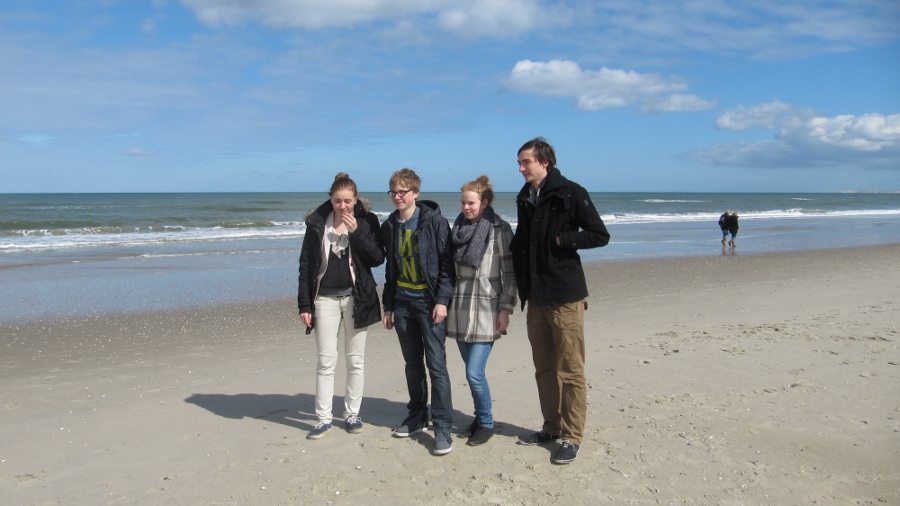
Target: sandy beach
{"type": "Point", "coordinates": [735, 380]}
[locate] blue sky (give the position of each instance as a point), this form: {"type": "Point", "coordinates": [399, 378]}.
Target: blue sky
{"type": "Point", "coordinates": [279, 95]}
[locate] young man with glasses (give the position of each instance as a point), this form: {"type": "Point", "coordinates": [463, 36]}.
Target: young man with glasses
{"type": "Point", "coordinates": [419, 280]}
{"type": "Point", "coordinates": [556, 218]}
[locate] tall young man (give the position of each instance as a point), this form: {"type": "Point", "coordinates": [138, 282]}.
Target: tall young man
{"type": "Point", "coordinates": [419, 280]}
{"type": "Point", "coordinates": [556, 218]}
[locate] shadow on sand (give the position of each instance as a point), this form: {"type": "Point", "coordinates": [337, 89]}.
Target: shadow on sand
{"type": "Point", "coordinates": [298, 411]}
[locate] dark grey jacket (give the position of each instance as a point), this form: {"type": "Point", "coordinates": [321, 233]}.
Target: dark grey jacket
{"type": "Point", "coordinates": [434, 253]}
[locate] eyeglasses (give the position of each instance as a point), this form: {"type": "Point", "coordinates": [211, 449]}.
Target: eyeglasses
{"type": "Point", "coordinates": [398, 193]}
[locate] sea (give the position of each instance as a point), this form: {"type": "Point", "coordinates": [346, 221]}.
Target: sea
{"type": "Point", "coordinates": [82, 255]}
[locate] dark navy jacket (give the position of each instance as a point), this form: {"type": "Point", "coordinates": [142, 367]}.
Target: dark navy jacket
{"type": "Point", "coordinates": [434, 254]}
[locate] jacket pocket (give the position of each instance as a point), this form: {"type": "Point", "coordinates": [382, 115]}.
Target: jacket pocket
{"type": "Point", "coordinates": [570, 316]}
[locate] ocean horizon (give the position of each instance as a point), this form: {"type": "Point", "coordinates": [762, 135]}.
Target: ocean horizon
{"type": "Point", "coordinates": [82, 254]}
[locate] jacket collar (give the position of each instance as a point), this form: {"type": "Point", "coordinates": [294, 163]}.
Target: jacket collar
{"type": "Point", "coordinates": [551, 183]}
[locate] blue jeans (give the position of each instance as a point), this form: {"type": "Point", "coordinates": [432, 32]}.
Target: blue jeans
{"type": "Point", "coordinates": [475, 355]}
{"type": "Point", "coordinates": [421, 339]}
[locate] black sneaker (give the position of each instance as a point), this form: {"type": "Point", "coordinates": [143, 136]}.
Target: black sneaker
{"type": "Point", "coordinates": [538, 438]}
{"type": "Point", "coordinates": [318, 431]}
{"type": "Point", "coordinates": [442, 443]}
{"type": "Point", "coordinates": [409, 429]}
{"type": "Point", "coordinates": [353, 424]}
{"type": "Point", "coordinates": [468, 431]}
{"type": "Point", "coordinates": [481, 436]}
{"type": "Point", "coordinates": [566, 453]}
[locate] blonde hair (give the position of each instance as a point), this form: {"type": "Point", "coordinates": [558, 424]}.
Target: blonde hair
{"type": "Point", "coordinates": [406, 177]}
{"type": "Point", "coordinates": [481, 186]}
{"type": "Point", "coordinates": [342, 182]}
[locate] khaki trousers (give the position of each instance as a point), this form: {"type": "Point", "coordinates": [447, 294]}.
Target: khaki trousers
{"type": "Point", "coordinates": [556, 334]}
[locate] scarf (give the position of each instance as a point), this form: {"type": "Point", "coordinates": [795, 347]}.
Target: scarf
{"type": "Point", "coordinates": [470, 240]}
{"type": "Point", "coordinates": [338, 242]}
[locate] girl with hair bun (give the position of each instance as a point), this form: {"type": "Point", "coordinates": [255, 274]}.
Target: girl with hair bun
{"type": "Point", "coordinates": [341, 245]}
{"type": "Point", "coordinates": [484, 297]}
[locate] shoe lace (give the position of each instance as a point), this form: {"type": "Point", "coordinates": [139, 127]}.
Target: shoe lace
{"type": "Point", "coordinates": [568, 444]}
{"type": "Point", "coordinates": [320, 425]}
{"type": "Point", "coordinates": [353, 420]}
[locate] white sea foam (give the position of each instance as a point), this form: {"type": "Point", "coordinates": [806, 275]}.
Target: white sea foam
{"type": "Point", "coordinates": [84, 238]}
{"type": "Point", "coordinates": [36, 240]}
{"type": "Point", "coordinates": [663, 201]}
{"type": "Point", "coordinates": [628, 219]}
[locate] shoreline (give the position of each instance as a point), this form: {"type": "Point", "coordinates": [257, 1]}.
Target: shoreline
{"type": "Point", "coordinates": [752, 379]}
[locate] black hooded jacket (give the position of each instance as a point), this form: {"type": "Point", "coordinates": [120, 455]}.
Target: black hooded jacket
{"type": "Point", "coordinates": [548, 273]}
{"type": "Point", "coordinates": [366, 251]}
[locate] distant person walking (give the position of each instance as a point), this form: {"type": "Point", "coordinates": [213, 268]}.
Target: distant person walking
{"type": "Point", "coordinates": [723, 225]}
{"type": "Point", "coordinates": [556, 218]}
{"type": "Point", "coordinates": [733, 227]}
{"type": "Point", "coordinates": [341, 245]}
{"type": "Point", "coordinates": [484, 297]}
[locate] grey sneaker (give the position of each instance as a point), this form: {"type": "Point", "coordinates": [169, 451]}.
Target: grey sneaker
{"type": "Point", "coordinates": [538, 438]}
{"type": "Point", "coordinates": [409, 429]}
{"type": "Point", "coordinates": [442, 443]}
{"type": "Point", "coordinates": [353, 424]}
{"type": "Point", "coordinates": [318, 431]}
{"type": "Point", "coordinates": [566, 453]}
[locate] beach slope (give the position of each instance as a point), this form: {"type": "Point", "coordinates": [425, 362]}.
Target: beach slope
{"type": "Point", "coordinates": [758, 379]}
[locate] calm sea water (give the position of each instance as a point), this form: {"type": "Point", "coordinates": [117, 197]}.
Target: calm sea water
{"type": "Point", "coordinates": [84, 254]}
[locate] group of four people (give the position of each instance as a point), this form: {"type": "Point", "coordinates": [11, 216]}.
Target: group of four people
{"type": "Point", "coordinates": [460, 282]}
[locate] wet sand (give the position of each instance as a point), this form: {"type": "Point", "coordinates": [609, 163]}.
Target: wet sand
{"type": "Point", "coordinates": [741, 379]}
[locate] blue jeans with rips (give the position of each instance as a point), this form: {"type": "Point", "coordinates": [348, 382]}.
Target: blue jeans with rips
{"type": "Point", "coordinates": [422, 344]}
{"type": "Point", "coordinates": [475, 356]}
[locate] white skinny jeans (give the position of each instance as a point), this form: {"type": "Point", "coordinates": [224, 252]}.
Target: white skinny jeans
{"type": "Point", "coordinates": [330, 311]}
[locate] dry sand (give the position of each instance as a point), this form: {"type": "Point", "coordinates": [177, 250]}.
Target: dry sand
{"type": "Point", "coordinates": [763, 379]}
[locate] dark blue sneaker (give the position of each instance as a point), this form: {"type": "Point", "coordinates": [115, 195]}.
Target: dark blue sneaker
{"type": "Point", "coordinates": [353, 424]}
{"type": "Point", "coordinates": [318, 431]}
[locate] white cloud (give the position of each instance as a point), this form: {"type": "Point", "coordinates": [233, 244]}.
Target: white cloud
{"type": "Point", "coordinates": [599, 89]}
{"type": "Point", "coordinates": [37, 140]}
{"type": "Point", "coordinates": [137, 152]}
{"type": "Point", "coordinates": [148, 26]}
{"type": "Point", "coordinates": [763, 29]}
{"type": "Point", "coordinates": [806, 139]}
{"type": "Point", "coordinates": [498, 18]}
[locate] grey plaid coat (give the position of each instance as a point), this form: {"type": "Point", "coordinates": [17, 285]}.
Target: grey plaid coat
{"type": "Point", "coordinates": [481, 294]}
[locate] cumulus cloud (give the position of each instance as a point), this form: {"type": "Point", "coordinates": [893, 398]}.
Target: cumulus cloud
{"type": "Point", "coordinates": [806, 139]}
{"type": "Point", "coordinates": [465, 17]}
{"type": "Point", "coordinates": [599, 89]}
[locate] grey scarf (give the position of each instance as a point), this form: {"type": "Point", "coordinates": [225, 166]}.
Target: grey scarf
{"type": "Point", "coordinates": [470, 241]}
